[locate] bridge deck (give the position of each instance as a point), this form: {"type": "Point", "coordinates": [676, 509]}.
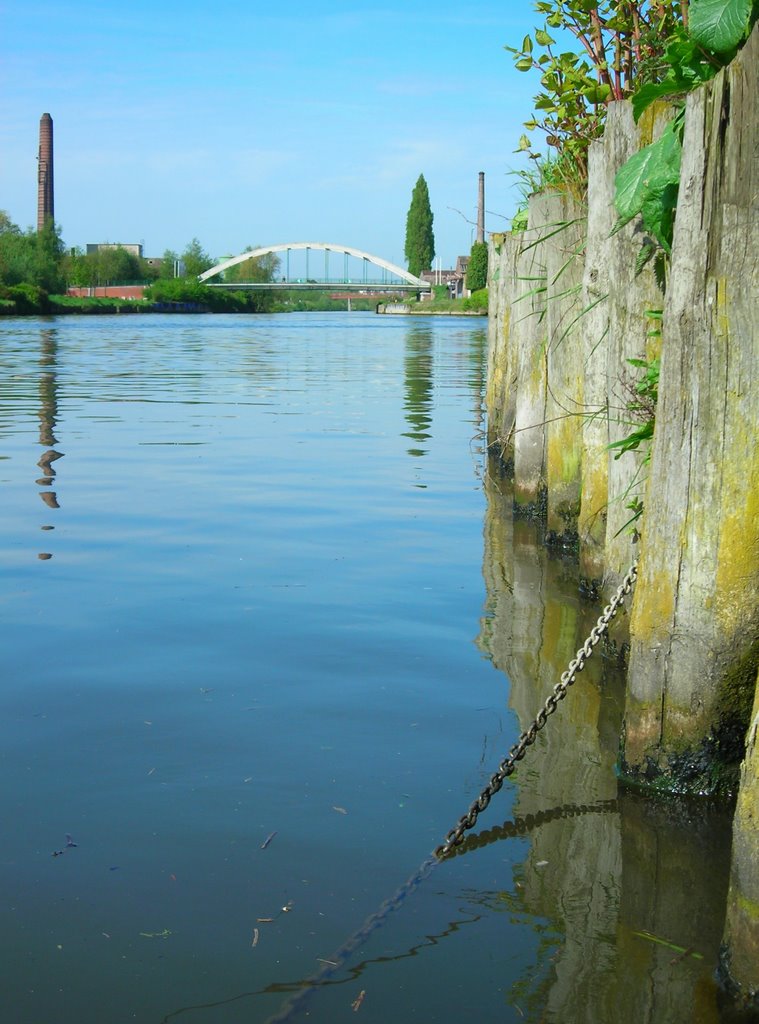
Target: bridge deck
{"type": "Point", "coordinates": [358, 286]}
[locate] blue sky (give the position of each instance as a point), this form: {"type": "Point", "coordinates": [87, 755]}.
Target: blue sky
{"type": "Point", "coordinates": [252, 123]}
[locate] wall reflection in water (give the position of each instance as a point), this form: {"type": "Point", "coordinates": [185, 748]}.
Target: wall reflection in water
{"type": "Point", "coordinates": [633, 887]}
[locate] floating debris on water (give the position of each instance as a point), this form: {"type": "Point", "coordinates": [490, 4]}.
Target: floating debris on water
{"type": "Point", "coordinates": [69, 845]}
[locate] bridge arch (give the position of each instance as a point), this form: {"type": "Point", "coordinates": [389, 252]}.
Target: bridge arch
{"type": "Point", "coordinates": [325, 247]}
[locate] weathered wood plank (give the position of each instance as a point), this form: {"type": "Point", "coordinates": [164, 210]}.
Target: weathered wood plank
{"type": "Point", "coordinates": [695, 621]}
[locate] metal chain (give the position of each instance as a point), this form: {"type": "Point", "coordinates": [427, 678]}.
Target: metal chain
{"type": "Point", "coordinates": [517, 752]}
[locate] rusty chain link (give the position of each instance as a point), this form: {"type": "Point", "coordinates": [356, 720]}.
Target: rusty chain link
{"type": "Point", "coordinates": [517, 752]}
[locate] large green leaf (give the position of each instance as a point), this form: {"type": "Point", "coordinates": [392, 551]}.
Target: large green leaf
{"type": "Point", "coordinates": [646, 174]}
{"type": "Point", "coordinates": [652, 91]}
{"type": "Point", "coordinates": [719, 25]}
{"type": "Point", "coordinates": [658, 214]}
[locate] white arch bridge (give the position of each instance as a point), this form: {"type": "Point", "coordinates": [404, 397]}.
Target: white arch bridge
{"type": "Point", "coordinates": [390, 277]}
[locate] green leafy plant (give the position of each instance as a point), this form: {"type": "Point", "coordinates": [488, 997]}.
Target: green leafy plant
{"type": "Point", "coordinates": [621, 46]}
{"type": "Point", "coordinates": [476, 302]}
{"type": "Point", "coordinates": [647, 184]}
{"type": "Point", "coordinates": [643, 406]}
{"type": "Point", "coordinates": [640, 407]}
{"type": "Point", "coordinates": [546, 172]}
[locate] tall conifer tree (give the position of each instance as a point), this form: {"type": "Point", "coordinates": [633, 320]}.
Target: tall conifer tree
{"type": "Point", "coordinates": [420, 240]}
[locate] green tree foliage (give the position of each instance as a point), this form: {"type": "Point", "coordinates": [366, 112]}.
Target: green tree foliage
{"type": "Point", "coordinates": [179, 289]}
{"type": "Point", "coordinates": [621, 46]}
{"type": "Point", "coordinates": [643, 49]}
{"type": "Point", "coordinates": [261, 268]}
{"type": "Point", "coordinates": [647, 185]}
{"type": "Point", "coordinates": [188, 291]}
{"type": "Point", "coordinates": [477, 268]}
{"type": "Point", "coordinates": [104, 267]}
{"type": "Point", "coordinates": [715, 31]}
{"type": "Point", "coordinates": [77, 270]}
{"type": "Point", "coordinates": [420, 240]}
{"type": "Point", "coordinates": [16, 252]}
{"type": "Point", "coordinates": [168, 261]}
{"type": "Point", "coordinates": [477, 302]}
{"type": "Point", "coordinates": [116, 266]}
{"type": "Point", "coordinates": [196, 260]}
{"type": "Point", "coordinates": [7, 226]}
{"type": "Point", "coordinates": [31, 257]}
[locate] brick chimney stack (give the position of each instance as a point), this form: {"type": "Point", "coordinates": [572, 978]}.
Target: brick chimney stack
{"type": "Point", "coordinates": [481, 209]}
{"type": "Point", "coordinates": [45, 193]}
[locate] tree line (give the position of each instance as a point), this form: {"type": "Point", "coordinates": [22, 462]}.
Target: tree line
{"type": "Point", "coordinates": [35, 265]}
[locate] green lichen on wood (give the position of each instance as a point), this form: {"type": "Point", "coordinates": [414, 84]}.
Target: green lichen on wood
{"type": "Point", "coordinates": [564, 456]}
{"type": "Point", "coordinates": [748, 908]}
{"type": "Point", "coordinates": [735, 696]}
{"type": "Point", "coordinates": [656, 114]}
{"type": "Point", "coordinates": [652, 618]}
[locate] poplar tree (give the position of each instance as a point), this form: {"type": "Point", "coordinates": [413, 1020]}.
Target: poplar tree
{"type": "Point", "coordinates": [420, 240]}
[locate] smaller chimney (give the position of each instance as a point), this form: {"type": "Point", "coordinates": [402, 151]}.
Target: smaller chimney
{"type": "Point", "coordinates": [481, 209]}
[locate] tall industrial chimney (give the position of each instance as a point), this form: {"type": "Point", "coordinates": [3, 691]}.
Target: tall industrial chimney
{"type": "Point", "coordinates": [480, 209]}
{"type": "Point", "coordinates": [45, 193]}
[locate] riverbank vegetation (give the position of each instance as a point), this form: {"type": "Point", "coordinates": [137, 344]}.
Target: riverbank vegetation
{"type": "Point", "coordinates": [477, 302]}
{"type": "Point", "coordinates": [37, 269]}
{"type": "Point", "coordinates": [643, 50]}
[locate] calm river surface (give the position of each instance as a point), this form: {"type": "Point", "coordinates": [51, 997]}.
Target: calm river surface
{"type": "Point", "coordinates": [266, 629]}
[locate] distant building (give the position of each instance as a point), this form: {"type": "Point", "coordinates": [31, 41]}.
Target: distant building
{"type": "Point", "coordinates": [133, 248]}
{"type": "Point", "coordinates": [454, 279]}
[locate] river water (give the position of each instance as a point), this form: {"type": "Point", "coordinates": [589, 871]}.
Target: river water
{"type": "Point", "coordinates": [267, 629]}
